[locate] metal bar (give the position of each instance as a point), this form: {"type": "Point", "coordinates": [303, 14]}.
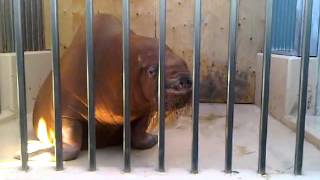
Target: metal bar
{"type": "Point", "coordinates": [317, 113]}
{"type": "Point", "coordinates": [4, 35]}
{"type": "Point", "coordinates": [195, 86]}
{"type": "Point", "coordinates": [161, 84]}
{"type": "Point", "coordinates": [24, 27]}
{"type": "Point", "coordinates": [232, 55]}
{"type": "Point", "coordinates": [32, 18]}
{"type": "Point", "coordinates": [56, 84]}
{"type": "Point", "coordinates": [304, 70]}
{"type": "Point", "coordinates": [1, 28]}
{"type": "Point", "coordinates": [35, 19]}
{"type": "Point", "coordinates": [28, 24]}
{"type": "Point", "coordinates": [90, 86]}
{"type": "Point", "coordinates": [7, 26]}
{"type": "Point", "coordinates": [11, 26]}
{"type": "Point", "coordinates": [39, 19]}
{"type": "Point", "coordinates": [126, 84]}
{"type": "Point", "coordinates": [21, 84]}
{"type": "Point", "coordinates": [264, 115]}
{"type": "Point", "coordinates": [41, 26]}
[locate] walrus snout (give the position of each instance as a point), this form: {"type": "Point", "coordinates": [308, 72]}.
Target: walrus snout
{"type": "Point", "coordinates": [180, 86]}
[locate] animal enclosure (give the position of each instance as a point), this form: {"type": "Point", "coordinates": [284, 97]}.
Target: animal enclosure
{"type": "Point", "coordinates": [219, 41]}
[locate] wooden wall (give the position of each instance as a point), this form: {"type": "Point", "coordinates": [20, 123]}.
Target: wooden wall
{"type": "Point", "coordinates": [215, 24]}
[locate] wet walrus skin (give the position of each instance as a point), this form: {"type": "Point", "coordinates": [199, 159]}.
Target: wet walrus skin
{"type": "Point", "coordinates": [108, 89]}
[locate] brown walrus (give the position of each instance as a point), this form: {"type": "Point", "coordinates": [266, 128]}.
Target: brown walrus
{"type": "Point", "coordinates": [108, 89]}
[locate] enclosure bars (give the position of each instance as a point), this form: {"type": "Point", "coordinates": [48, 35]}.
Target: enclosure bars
{"type": "Point", "coordinates": [304, 70]}
{"type": "Point", "coordinates": [90, 86]}
{"type": "Point", "coordinates": [6, 26]}
{"type": "Point", "coordinates": [231, 77]}
{"type": "Point", "coordinates": [21, 84]}
{"type": "Point", "coordinates": [161, 84]}
{"type": "Point", "coordinates": [126, 83]}
{"type": "Point", "coordinates": [56, 82]}
{"type": "Point", "coordinates": [265, 89]}
{"type": "Point", "coordinates": [195, 86]}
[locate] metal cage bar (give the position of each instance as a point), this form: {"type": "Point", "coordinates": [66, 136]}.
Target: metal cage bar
{"type": "Point", "coordinates": [32, 25]}
{"type": "Point", "coordinates": [90, 86]}
{"type": "Point", "coordinates": [21, 83]}
{"type": "Point", "coordinates": [264, 115]}
{"type": "Point", "coordinates": [126, 84]}
{"type": "Point", "coordinates": [232, 55]}
{"type": "Point", "coordinates": [196, 86]}
{"type": "Point", "coordinates": [161, 85]}
{"type": "Point", "coordinates": [304, 70]}
{"type": "Point", "coordinates": [56, 82]}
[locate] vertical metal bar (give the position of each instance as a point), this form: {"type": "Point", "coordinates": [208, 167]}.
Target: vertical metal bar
{"type": "Point", "coordinates": [232, 55]}
{"type": "Point", "coordinates": [1, 29]}
{"type": "Point", "coordinates": [304, 70]}
{"type": "Point", "coordinates": [161, 84]}
{"type": "Point", "coordinates": [4, 37]}
{"type": "Point", "coordinates": [265, 89]}
{"type": "Point", "coordinates": [195, 87]}
{"type": "Point", "coordinates": [126, 84]}
{"type": "Point", "coordinates": [24, 26]}
{"type": "Point", "coordinates": [56, 83]}
{"type": "Point", "coordinates": [28, 24]}
{"type": "Point", "coordinates": [21, 84]}
{"type": "Point", "coordinates": [317, 113]}
{"type": "Point", "coordinates": [39, 19]}
{"type": "Point", "coordinates": [11, 26]}
{"type": "Point", "coordinates": [7, 26]}
{"type": "Point", "coordinates": [41, 26]}
{"type": "Point", "coordinates": [90, 86]}
{"type": "Point", "coordinates": [32, 19]}
{"type": "Point", "coordinates": [2, 26]}
{"type": "Point", "coordinates": [35, 17]}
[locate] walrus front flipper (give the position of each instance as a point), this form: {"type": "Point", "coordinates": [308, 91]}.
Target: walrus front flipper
{"type": "Point", "coordinates": [140, 138]}
{"type": "Point", "coordinates": [42, 153]}
{"type": "Point", "coordinates": [71, 139]}
{"type": "Point", "coordinates": [38, 151]}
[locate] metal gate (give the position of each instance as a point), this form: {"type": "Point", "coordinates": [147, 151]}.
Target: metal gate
{"type": "Point", "coordinates": [32, 24]}
{"type": "Point", "coordinates": [19, 41]}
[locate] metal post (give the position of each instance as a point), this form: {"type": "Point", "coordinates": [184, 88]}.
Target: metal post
{"type": "Point", "coordinates": [11, 26]}
{"type": "Point", "coordinates": [161, 84]}
{"type": "Point", "coordinates": [3, 25]}
{"type": "Point", "coordinates": [32, 23]}
{"type": "Point", "coordinates": [318, 89]}
{"type": "Point", "coordinates": [232, 55]}
{"type": "Point", "coordinates": [21, 84]}
{"type": "Point", "coordinates": [317, 113]}
{"type": "Point", "coordinates": [195, 87]}
{"type": "Point", "coordinates": [56, 82]}
{"type": "Point", "coordinates": [28, 25]}
{"type": "Point", "coordinates": [265, 90]}
{"type": "Point", "coordinates": [126, 84]}
{"type": "Point", "coordinates": [304, 70]}
{"type": "Point", "coordinates": [90, 86]}
{"type": "Point", "coordinates": [41, 26]}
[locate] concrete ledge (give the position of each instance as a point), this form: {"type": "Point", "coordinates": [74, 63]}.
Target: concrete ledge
{"type": "Point", "coordinates": [37, 67]}
{"type": "Point", "coordinates": [284, 90]}
{"type": "Point", "coordinates": [284, 84]}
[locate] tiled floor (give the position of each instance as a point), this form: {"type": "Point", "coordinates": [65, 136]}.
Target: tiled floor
{"type": "Point", "coordinates": [280, 152]}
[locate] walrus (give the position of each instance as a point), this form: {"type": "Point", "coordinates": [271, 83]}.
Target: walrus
{"type": "Point", "coordinates": [108, 89]}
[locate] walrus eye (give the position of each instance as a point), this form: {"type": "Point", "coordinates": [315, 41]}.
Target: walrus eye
{"type": "Point", "coordinates": [152, 71]}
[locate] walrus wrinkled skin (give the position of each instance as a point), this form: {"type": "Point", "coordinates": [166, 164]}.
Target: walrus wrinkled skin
{"type": "Point", "coordinates": [108, 89]}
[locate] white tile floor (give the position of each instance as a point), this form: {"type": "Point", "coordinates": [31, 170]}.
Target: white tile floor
{"type": "Point", "coordinates": [280, 156]}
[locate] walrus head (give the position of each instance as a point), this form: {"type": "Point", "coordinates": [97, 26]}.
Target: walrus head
{"type": "Point", "coordinates": [178, 82]}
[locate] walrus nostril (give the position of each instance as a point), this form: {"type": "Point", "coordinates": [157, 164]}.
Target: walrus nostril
{"type": "Point", "coordinates": [185, 82]}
